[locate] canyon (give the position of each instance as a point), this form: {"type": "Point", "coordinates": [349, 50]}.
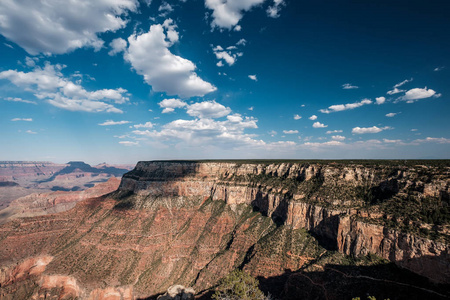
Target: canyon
{"type": "Point", "coordinates": [306, 230]}
{"type": "Point", "coordinates": [22, 178]}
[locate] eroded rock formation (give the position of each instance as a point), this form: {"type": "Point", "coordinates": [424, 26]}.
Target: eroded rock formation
{"type": "Point", "coordinates": [192, 223]}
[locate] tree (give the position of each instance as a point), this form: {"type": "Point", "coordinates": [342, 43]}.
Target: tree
{"type": "Point", "coordinates": [238, 285]}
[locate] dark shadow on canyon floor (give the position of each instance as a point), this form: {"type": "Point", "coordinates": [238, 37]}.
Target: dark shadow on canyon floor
{"type": "Point", "coordinates": [384, 281]}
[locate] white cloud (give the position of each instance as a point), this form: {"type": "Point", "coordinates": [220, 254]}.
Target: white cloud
{"type": "Point", "coordinates": [30, 132]}
{"type": "Point", "coordinates": [394, 91]}
{"type": "Point", "coordinates": [169, 105]}
{"type": "Point", "coordinates": [274, 10]}
{"type": "Point", "coordinates": [200, 132]}
{"type": "Point", "coordinates": [8, 45]}
{"type": "Point", "coordinates": [111, 122]}
{"type": "Point", "coordinates": [22, 119]}
{"type": "Point", "coordinates": [165, 8]}
{"type": "Point", "coordinates": [329, 143]}
{"type": "Point", "coordinates": [253, 77]}
{"type": "Point", "coordinates": [342, 107]}
{"type": "Point", "coordinates": [31, 62]}
{"type": "Point", "coordinates": [319, 125]}
{"type": "Point", "coordinates": [129, 143]}
{"type": "Point", "coordinates": [433, 140]}
{"type": "Point", "coordinates": [417, 94]}
{"type": "Point", "coordinates": [58, 27]}
{"type": "Point", "coordinates": [373, 129]}
{"type": "Point", "coordinates": [251, 108]}
{"type": "Point", "coordinates": [390, 115]}
{"type": "Point", "coordinates": [313, 117]}
{"type": "Point", "coordinates": [272, 133]}
{"type": "Point", "coordinates": [228, 55]}
{"type": "Point", "coordinates": [49, 84]}
{"type": "Point", "coordinates": [242, 42]}
{"type": "Point", "coordinates": [402, 83]}
{"type": "Point", "coordinates": [334, 131]}
{"type": "Point", "coordinates": [297, 117]}
{"type": "Point", "coordinates": [338, 137]}
{"type": "Point", "coordinates": [145, 125]}
{"type": "Point", "coordinates": [15, 99]}
{"type": "Point", "coordinates": [227, 13]}
{"type": "Point", "coordinates": [437, 69]}
{"type": "Point", "coordinates": [349, 86]}
{"type": "Point", "coordinates": [149, 55]}
{"type": "Point", "coordinates": [414, 129]}
{"type": "Point", "coordinates": [117, 45]}
{"type": "Point", "coordinates": [208, 109]}
{"type": "Point", "coordinates": [380, 100]}
{"type": "Point", "coordinates": [290, 131]}
{"type": "Point", "coordinates": [393, 141]}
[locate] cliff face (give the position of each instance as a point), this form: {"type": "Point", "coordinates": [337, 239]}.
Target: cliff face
{"type": "Point", "coordinates": [192, 223]}
{"type": "Point", "coordinates": [334, 202]}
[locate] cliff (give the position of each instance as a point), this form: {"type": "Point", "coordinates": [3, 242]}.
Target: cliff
{"type": "Point", "coordinates": [347, 206]}
{"type": "Point", "coordinates": [191, 223]}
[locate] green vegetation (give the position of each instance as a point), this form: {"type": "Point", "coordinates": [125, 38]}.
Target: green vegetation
{"type": "Point", "coordinates": [238, 285]}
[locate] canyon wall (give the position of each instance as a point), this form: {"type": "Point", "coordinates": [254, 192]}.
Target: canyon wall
{"type": "Point", "coordinates": [325, 199]}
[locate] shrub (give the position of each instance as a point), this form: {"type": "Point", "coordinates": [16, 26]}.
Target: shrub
{"type": "Point", "coordinates": [238, 285]}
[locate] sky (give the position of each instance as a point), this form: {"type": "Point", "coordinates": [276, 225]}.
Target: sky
{"type": "Point", "coordinates": [121, 81]}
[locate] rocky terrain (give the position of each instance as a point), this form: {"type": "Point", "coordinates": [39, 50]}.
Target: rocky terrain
{"type": "Point", "coordinates": [38, 204]}
{"type": "Point", "coordinates": [306, 230]}
{"type": "Point", "coordinates": [21, 178]}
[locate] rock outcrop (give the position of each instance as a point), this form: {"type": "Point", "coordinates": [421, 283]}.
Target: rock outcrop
{"type": "Point", "coordinates": [325, 199]}
{"type": "Point", "coordinates": [191, 223]}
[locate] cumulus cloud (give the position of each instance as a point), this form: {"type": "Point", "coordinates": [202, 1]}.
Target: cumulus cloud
{"type": "Point", "coordinates": [164, 9]}
{"type": "Point", "coordinates": [111, 122]}
{"type": "Point", "coordinates": [440, 140]}
{"type": "Point", "coordinates": [208, 109]}
{"type": "Point", "coordinates": [334, 131]}
{"type": "Point", "coordinates": [396, 89]}
{"type": "Point", "coordinates": [290, 131]}
{"type": "Point", "coordinates": [15, 99]}
{"type": "Point", "coordinates": [338, 137]}
{"type": "Point", "coordinates": [273, 11]}
{"type": "Point", "coordinates": [342, 107]}
{"type": "Point", "coordinates": [349, 86]}
{"type": "Point", "coordinates": [297, 117]}
{"type": "Point", "coordinates": [402, 83]}
{"type": "Point", "coordinates": [253, 77]}
{"type": "Point", "coordinates": [117, 45]}
{"type": "Point", "coordinates": [150, 56]}
{"type": "Point", "coordinates": [228, 55]}
{"type": "Point", "coordinates": [48, 83]}
{"type": "Point", "coordinates": [272, 133]}
{"type": "Point", "coordinates": [390, 115]}
{"type": "Point", "coordinates": [329, 143]}
{"type": "Point", "coordinates": [437, 69]}
{"type": "Point", "coordinates": [56, 27]}
{"type": "Point", "coordinates": [30, 132]}
{"type": "Point", "coordinates": [373, 129]}
{"type": "Point", "coordinates": [319, 125]}
{"type": "Point", "coordinates": [313, 117]}
{"type": "Point", "coordinates": [206, 131]}
{"type": "Point", "coordinates": [227, 13]}
{"type": "Point", "coordinates": [145, 125]}
{"type": "Point", "coordinates": [129, 143]}
{"type": "Point", "coordinates": [380, 100]}
{"type": "Point", "coordinates": [169, 105]}
{"type": "Point", "coordinates": [416, 94]}
{"type": "Point", "coordinates": [22, 119]}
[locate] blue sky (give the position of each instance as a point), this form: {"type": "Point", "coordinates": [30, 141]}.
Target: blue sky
{"type": "Point", "coordinates": [127, 80]}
